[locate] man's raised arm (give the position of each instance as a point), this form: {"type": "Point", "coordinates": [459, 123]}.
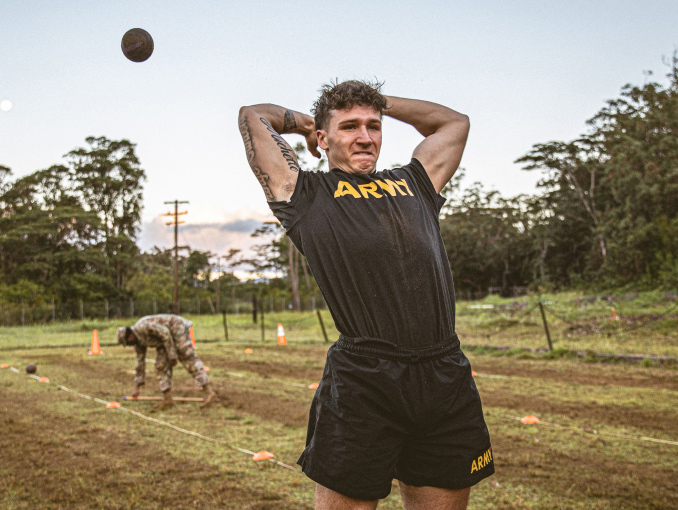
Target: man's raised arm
{"type": "Point", "coordinates": [445, 131]}
{"type": "Point", "coordinates": [271, 158]}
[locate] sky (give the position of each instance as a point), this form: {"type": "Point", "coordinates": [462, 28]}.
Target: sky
{"type": "Point", "coordinates": [525, 72]}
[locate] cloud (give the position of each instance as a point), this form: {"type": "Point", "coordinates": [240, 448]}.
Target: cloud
{"type": "Point", "coordinates": [207, 228]}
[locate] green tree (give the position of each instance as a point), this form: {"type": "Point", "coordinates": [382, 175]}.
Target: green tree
{"type": "Point", "coordinates": [486, 238]}
{"type": "Point", "coordinates": [610, 195]}
{"type": "Point", "coordinates": [47, 237]}
{"type": "Point", "coordinates": [108, 177]}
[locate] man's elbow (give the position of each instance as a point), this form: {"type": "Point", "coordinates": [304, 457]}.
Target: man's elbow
{"type": "Point", "coordinates": [244, 112]}
{"type": "Point", "coordinates": [465, 123]}
{"type": "Point", "coordinates": [462, 121]}
{"type": "Point", "coordinates": [255, 109]}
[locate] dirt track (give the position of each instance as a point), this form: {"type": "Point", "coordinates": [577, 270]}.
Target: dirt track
{"type": "Point", "coordinates": [61, 461]}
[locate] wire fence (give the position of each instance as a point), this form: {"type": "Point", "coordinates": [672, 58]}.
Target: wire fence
{"type": "Point", "coordinates": [579, 324]}
{"type": "Point", "coordinates": [598, 324]}
{"type": "Point", "coordinates": [25, 315]}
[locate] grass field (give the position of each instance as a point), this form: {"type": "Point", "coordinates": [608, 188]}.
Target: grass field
{"type": "Point", "coordinates": [62, 451]}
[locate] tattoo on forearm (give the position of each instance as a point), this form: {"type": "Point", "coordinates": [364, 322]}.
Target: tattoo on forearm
{"type": "Point", "coordinates": [262, 177]}
{"type": "Point", "coordinates": [247, 138]}
{"type": "Point", "coordinates": [285, 149]}
{"type": "Point", "coordinates": [289, 123]}
{"type": "Point", "coordinates": [263, 180]}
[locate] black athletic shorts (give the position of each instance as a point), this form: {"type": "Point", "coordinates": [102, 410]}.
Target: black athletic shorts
{"type": "Point", "coordinates": [381, 413]}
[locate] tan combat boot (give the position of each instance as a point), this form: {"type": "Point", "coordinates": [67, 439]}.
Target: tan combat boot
{"type": "Point", "coordinates": [210, 396]}
{"type": "Point", "coordinates": [166, 403]}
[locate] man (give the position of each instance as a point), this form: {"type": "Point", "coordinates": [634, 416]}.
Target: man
{"type": "Point", "coordinates": [396, 399]}
{"type": "Point", "coordinates": [170, 335]}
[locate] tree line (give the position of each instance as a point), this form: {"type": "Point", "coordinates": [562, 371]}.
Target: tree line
{"type": "Point", "coordinates": [605, 214]}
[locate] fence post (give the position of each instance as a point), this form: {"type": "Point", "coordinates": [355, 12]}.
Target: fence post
{"type": "Point", "coordinates": [546, 326]}
{"type": "Point", "coordinates": [237, 306]}
{"type": "Point", "coordinates": [23, 314]}
{"type": "Point", "coordinates": [282, 304]}
{"type": "Point", "coordinates": [254, 309]}
{"type": "Point", "coordinates": [155, 307]}
{"type": "Point", "coordinates": [198, 301]}
{"type": "Point", "coordinates": [131, 307]}
{"type": "Point", "coordinates": [223, 316]}
{"type": "Point", "coordinates": [271, 303]}
{"type": "Point", "coordinates": [263, 334]}
{"type": "Point", "coordinates": [53, 313]}
{"type": "Point", "coordinates": [322, 324]}
{"type": "Point", "coordinates": [106, 308]}
{"type": "Point", "coordinates": [82, 315]}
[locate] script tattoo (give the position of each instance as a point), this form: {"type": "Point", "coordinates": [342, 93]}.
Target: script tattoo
{"type": "Point", "coordinates": [289, 123]}
{"type": "Point", "coordinates": [263, 180]}
{"type": "Point", "coordinates": [247, 138]}
{"type": "Point", "coordinates": [285, 149]}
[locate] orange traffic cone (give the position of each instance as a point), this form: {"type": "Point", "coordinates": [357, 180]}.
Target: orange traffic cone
{"type": "Point", "coordinates": [529, 420]}
{"type": "Point", "coordinates": [96, 348]}
{"type": "Point", "coordinates": [614, 314]}
{"type": "Point", "coordinates": [282, 340]}
{"type": "Point", "coordinates": [192, 336]}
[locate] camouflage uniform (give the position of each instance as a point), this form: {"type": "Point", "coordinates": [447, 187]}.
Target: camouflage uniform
{"type": "Point", "coordinates": [170, 335]}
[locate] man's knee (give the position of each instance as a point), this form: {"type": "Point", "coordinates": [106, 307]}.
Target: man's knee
{"type": "Point", "coordinates": [327, 499]}
{"type": "Point", "coordinates": [433, 498]}
{"type": "Point", "coordinates": [165, 384]}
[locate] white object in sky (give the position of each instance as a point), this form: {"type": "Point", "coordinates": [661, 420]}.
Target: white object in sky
{"type": "Point", "coordinates": [5, 105]}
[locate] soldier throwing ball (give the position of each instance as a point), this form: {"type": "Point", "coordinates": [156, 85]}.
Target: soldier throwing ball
{"type": "Point", "coordinates": [397, 399]}
{"type": "Point", "coordinates": [170, 335]}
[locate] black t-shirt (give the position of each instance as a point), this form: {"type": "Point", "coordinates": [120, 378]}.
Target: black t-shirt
{"type": "Point", "coordinates": [374, 246]}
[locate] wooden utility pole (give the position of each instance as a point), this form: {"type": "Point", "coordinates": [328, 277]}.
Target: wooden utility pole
{"type": "Point", "coordinates": [176, 222]}
{"type": "Point", "coordinates": [218, 283]}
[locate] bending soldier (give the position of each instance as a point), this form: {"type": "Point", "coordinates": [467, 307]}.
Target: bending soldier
{"type": "Point", "coordinates": [170, 335]}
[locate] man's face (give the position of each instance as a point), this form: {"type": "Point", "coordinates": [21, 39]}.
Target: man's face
{"type": "Point", "coordinates": [352, 140]}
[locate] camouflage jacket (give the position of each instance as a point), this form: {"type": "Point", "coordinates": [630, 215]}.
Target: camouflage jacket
{"type": "Point", "coordinates": [156, 331]}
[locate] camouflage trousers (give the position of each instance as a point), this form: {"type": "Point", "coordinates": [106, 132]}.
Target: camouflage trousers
{"type": "Point", "coordinates": [187, 356]}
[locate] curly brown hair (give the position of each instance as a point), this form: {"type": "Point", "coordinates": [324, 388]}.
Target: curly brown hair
{"type": "Point", "coordinates": [340, 96]}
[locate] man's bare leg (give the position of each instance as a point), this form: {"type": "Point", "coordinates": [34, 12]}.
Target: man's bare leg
{"type": "Point", "coordinates": [433, 498]}
{"type": "Point", "coordinates": [327, 499]}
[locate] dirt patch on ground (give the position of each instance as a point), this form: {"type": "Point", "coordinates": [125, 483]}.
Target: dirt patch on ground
{"type": "Point", "coordinates": [594, 415]}
{"type": "Point", "coordinates": [73, 465]}
{"type": "Point", "coordinates": [584, 471]}
{"type": "Point", "coordinates": [268, 368]}
{"type": "Point", "coordinates": [581, 373]}
{"type": "Point", "coordinates": [295, 411]}
{"type": "Point", "coordinates": [284, 411]}
{"type": "Point", "coordinates": [106, 379]}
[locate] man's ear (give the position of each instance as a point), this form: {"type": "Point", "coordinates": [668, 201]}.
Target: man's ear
{"type": "Point", "coordinates": [321, 134]}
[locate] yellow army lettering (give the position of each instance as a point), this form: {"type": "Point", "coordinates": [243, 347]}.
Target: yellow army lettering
{"type": "Point", "coordinates": [482, 461]}
{"type": "Point", "coordinates": [391, 187]}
